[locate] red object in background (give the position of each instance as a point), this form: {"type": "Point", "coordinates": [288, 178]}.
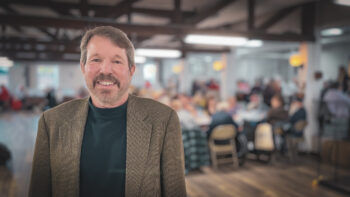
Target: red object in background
{"type": "Point", "coordinates": [212, 85]}
{"type": "Point", "coordinates": [148, 84]}
{"type": "Point", "coordinates": [4, 95]}
{"type": "Point", "coordinates": [16, 104]}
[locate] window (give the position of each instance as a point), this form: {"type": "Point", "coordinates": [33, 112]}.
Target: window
{"type": "Point", "coordinates": [150, 73]}
{"type": "Point", "coordinates": [4, 76]}
{"type": "Point", "coordinates": [48, 77]}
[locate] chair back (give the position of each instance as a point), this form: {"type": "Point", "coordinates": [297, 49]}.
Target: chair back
{"type": "Point", "coordinates": [300, 125]}
{"type": "Point", "coordinates": [264, 137]}
{"type": "Point", "coordinates": [223, 132]}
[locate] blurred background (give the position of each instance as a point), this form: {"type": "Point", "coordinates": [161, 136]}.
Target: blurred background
{"type": "Point", "coordinates": [269, 76]}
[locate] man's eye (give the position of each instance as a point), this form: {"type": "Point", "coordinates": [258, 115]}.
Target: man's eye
{"type": "Point", "coordinates": [117, 62]}
{"type": "Point", "coordinates": [95, 60]}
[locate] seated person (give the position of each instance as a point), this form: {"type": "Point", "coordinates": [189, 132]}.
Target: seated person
{"type": "Point", "coordinates": [211, 105]}
{"type": "Point", "coordinates": [297, 113]}
{"type": "Point", "coordinates": [277, 114]}
{"type": "Point", "coordinates": [233, 106]}
{"type": "Point", "coordinates": [256, 103]}
{"type": "Point", "coordinates": [187, 120]}
{"type": "Point", "coordinates": [337, 102]}
{"type": "Point", "coordinates": [221, 117]}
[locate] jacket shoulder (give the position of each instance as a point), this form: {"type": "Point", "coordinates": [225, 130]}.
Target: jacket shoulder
{"type": "Point", "coordinates": [154, 108]}
{"type": "Point", "coordinates": [66, 109]}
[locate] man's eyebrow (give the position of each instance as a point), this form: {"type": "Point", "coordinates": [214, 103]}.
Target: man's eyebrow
{"type": "Point", "coordinates": [95, 54]}
{"type": "Point", "coordinates": [118, 56]}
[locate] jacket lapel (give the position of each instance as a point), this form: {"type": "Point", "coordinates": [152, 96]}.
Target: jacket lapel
{"type": "Point", "coordinates": [137, 146]}
{"type": "Point", "coordinates": [71, 135]}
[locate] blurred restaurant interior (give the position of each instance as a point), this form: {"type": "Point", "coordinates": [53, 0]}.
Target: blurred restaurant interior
{"type": "Point", "coordinates": [279, 69]}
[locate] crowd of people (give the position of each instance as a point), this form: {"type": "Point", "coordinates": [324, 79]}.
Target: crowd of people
{"type": "Point", "coordinates": [203, 109]}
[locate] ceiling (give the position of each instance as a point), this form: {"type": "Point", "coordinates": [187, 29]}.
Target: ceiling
{"type": "Point", "coordinates": [51, 30]}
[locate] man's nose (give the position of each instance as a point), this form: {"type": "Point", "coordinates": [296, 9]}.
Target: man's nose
{"type": "Point", "coordinates": [106, 67]}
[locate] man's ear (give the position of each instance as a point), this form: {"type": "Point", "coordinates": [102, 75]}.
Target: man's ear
{"type": "Point", "coordinates": [82, 67]}
{"type": "Point", "coordinates": [132, 70]}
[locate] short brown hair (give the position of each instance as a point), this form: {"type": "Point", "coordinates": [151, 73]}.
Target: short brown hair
{"type": "Point", "coordinates": [117, 36]}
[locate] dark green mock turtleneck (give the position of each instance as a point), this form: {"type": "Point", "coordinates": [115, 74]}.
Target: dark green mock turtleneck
{"type": "Point", "coordinates": [103, 152]}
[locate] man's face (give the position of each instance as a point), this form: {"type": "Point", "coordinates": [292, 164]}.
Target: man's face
{"type": "Point", "coordinates": [106, 72]}
{"type": "Point", "coordinates": [275, 103]}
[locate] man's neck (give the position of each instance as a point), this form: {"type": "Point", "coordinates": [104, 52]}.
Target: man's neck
{"type": "Point", "coordinates": [118, 103]}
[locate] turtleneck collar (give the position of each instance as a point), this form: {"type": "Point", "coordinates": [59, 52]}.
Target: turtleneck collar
{"type": "Point", "coordinates": [108, 113]}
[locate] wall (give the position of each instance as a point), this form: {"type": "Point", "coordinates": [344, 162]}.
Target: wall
{"type": "Point", "coordinates": [332, 56]}
{"type": "Point", "coordinates": [70, 78]}
{"type": "Point", "coordinates": [249, 66]}
{"type": "Point", "coordinates": [16, 77]}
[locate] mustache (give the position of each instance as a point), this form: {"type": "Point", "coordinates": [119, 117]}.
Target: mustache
{"type": "Point", "coordinates": [108, 77]}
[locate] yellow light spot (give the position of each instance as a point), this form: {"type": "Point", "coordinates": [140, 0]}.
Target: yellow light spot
{"type": "Point", "coordinates": [177, 69]}
{"type": "Point", "coordinates": [296, 60]}
{"type": "Point", "coordinates": [218, 66]}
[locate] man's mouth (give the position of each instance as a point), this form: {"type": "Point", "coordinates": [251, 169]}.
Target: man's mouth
{"type": "Point", "coordinates": [106, 83]}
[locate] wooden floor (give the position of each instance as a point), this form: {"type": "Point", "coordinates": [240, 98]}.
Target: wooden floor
{"type": "Point", "coordinates": [18, 133]}
{"type": "Point", "coordinates": [279, 178]}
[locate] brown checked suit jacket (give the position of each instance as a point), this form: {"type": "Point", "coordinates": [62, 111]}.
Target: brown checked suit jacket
{"type": "Point", "coordinates": [154, 156]}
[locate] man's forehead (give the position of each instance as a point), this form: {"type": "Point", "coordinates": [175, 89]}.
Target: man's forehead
{"type": "Point", "coordinates": [94, 41]}
{"type": "Point", "coordinates": [117, 55]}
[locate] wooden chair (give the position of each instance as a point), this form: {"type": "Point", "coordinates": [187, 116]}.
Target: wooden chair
{"type": "Point", "coordinates": [264, 138]}
{"type": "Point", "coordinates": [293, 142]}
{"type": "Point", "coordinates": [223, 132]}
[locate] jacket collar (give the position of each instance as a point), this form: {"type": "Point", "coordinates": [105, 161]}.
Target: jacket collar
{"type": "Point", "coordinates": [138, 138]}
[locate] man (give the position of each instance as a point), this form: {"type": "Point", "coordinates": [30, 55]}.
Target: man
{"type": "Point", "coordinates": [113, 143]}
{"type": "Point", "coordinates": [337, 102]}
{"type": "Point", "coordinates": [221, 117]}
{"type": "Point", "coordinates": [277, 114]}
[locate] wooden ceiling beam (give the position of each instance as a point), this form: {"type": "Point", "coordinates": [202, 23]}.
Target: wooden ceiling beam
{"type": "Point", "coordinates": [250, 15]}
{"type": "Point", "coordinates": [145, 30]}
{"type": "Point", "coordinates": [61, 47]}
{"type": "Point", "coordinates": [308, 18]}
{"type": "Point", "coordinates": [38, 58]}
{"type": "Point", "coordinates": [208, 11]}
{"type": "Point", "coordinates": [161, 13]}
{"type": "Point", "coordinates": [281, 14]}
{"type": "Point", "coordinates": [12, 11]}
{"type": "Point", "coordinates": [115, 11]}
{"type": "Point", "coordinates": [84, 7]}
{"type": "Point", "coordinates": [177, 18]}
{"type": "Point", "coordinates": [64, 8]}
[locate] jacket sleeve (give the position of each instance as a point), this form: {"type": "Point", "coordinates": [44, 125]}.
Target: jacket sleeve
{"type": "Point", "coordinates": [40, 183]}
{"type": "Point", "coordinates": [172, 161]}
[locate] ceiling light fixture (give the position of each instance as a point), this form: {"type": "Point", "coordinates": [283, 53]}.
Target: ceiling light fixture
{"type": "Point", "coordinates": [332, 32]}
{"type": "Point", "coordinates": [215, 40]}
{"type": "Point", "coordinates": [5, 62]}
{"type": "Point", "coordinates": [254, 43]}
{"type": "Point", "coordinates": [342, 2]}
{"type": "Point", "coordinates": [160, 53]}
